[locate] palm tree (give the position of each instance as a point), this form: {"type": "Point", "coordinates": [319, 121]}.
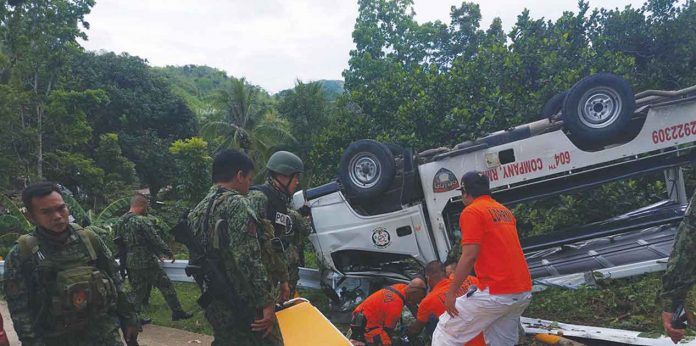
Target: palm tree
{"type": "Point", "coordinates": [247, 121]}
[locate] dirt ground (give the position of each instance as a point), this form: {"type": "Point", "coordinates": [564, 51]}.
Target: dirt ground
{"type": "Point", "coordinates": [151, 335]}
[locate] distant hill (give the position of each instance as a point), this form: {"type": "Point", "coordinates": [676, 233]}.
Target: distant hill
{"type": "Point", "coordinates": [332, 89]}
{"type": "Point", "coordinates": [195, 84]}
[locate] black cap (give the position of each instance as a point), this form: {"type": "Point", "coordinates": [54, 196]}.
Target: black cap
{"type": "Point", "coordinates": [475, 183]}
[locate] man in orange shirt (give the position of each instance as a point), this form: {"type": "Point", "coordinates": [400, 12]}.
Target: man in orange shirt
{"type": "Point", "coordinates": [490, 245]}
{"type": "Point", "coordinates": [375, 318]}
{"type": "Point", "coordinates": [433, 305]}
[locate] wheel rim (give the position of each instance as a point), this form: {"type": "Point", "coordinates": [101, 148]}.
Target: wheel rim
{"type": "Point", "coordinates": [365, 170]}
{"type": "Point", "coordinates": [599, 107]}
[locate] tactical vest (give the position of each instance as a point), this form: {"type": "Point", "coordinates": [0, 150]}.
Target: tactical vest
{"type": "Point", "coordinates": [66, 292]}
{"type": "Point", "coordinates": [277, 213]}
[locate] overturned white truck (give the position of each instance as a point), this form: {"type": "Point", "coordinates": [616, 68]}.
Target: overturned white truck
{"type": "Point", "coordinates": [390, 210]}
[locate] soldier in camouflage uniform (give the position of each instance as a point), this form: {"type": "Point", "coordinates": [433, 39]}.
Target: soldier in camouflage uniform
{"type": "Point", "coordinates": [237, 244]}
{"type": "Point", "coordinates": [61, 281]}
{"type": "Point", "coordinates": [681, 272]}
{"type": "Point", "coordinates": [272, 201]}
{"type": "Point", "coordinates": [144, 248]}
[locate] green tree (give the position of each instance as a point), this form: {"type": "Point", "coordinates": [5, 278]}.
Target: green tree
{"type": "Point", "coordinates": [39, 36]}
{"type": "Point", "coordinates": [248, 121]}
{"type": "Point", "coordinates": [307, 110]}
{"type": "Point", "coordinates": [193, 167]}
{"type": "Point", "coordinates": [153, 161]}
{"type": "Point", "coordinates": [120, 174]}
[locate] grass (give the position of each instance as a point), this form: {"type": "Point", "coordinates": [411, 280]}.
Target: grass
{"type": "Point", "coordinates": [188, 294]}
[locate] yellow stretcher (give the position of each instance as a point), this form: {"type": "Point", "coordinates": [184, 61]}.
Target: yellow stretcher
{"type": "Point", "coordinates": [304, 325]}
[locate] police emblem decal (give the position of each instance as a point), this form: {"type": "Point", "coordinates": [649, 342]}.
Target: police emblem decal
{"type": "Point", "coordinates": [444, 181]}
{"type": "Point", "coordinates": [381, 238]}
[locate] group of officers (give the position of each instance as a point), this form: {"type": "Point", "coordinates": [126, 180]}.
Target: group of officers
{"type": "Point", "coordinates": [63, 286]}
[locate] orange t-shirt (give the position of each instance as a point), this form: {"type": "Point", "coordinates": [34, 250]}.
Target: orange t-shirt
{"type": "Point", "coordinates": [383, 308]}
{"type": "Point", "coordinates": [500, 266]}
{"type": "Point", "coordinates": [434, 304]}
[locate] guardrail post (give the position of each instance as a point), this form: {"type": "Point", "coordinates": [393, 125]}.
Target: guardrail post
{"type": "Point", "coordinates": [676, 190]}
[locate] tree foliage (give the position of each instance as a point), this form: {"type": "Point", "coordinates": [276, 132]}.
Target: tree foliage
{"type": "Point", "coordinates": [103, 124]}
{"type": "Point", "coordinates": [193, 168]}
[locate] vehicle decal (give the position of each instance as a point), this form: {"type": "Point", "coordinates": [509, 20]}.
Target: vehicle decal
{"type": "Point", "coordinates": [445, 181]}
{"type": "Point", "coordinates": [492, 174]}
{"type": "Point", "coordinates": [381, 238]}
{"type": "Point", "coordinates": [675, 132]}
{"type": "Point", "coordinates": [522, 168]}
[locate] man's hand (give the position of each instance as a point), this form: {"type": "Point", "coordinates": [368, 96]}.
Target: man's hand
{"type": "Point", "coordinates": [284, 291]}
{"type": "Point", "coordinates": [267, 323]}
{"type": "Point", "coordinates": [131, 333]}
{"type": "Point", "coordinates": [450, 300]}
{"type": "Point", "coordinates": [675, 334]}
{"type": "Point", "coordinates": [161, 259]}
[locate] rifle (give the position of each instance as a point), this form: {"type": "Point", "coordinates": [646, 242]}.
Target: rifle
{"type": "Point", "coordinates": [208, 271]}
{"type": "Point", "coordinates": [122, 256]}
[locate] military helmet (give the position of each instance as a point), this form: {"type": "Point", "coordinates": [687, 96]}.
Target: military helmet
{"type": "Point", "coordinates": [285, 163]}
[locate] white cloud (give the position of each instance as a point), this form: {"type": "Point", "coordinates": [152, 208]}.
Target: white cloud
{"type": "Point", "coordinates": [270, 42]}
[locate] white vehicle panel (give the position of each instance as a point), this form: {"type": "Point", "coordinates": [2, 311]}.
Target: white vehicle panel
{"type": "Point", "coordinates": [339, 228]}
{"type": "Point", "coordinates": [550, 154]}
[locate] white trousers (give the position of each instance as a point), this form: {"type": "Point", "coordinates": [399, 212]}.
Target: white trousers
{"type": "Point", "coordinates": [498, 316]}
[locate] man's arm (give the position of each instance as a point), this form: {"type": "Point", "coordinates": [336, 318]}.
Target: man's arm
{"type": "Point", "coordinates": [464, 267]}
{"type": "Point", "coordinates": [107, 263]}
{"type": "Point", "coordinates": [300, 224]}
{"type": "Point", "coordinates": [17, 295]}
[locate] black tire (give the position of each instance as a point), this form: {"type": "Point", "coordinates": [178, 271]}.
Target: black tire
{"type": "Point", "coordinates": [553, 105]}
{"type": "Point", "coordinates": [366, 168]}
{"type": "Point", "coordinates": [598, 109]}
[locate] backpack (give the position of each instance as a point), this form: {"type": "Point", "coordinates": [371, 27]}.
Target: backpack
{"type": "Point", "coordinates": [65, 296]}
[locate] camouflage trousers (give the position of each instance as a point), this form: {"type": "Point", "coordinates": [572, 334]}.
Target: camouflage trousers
{"type": "Point", "coordinates": [112, 338]}
{"type": "Point", "coordinates": [142, 280]}
{"type": "Point", "coordinates": [228, 331]}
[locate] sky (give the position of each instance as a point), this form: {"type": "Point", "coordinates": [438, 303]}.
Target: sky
{"type": "Point", "coordinates": [270, 42]}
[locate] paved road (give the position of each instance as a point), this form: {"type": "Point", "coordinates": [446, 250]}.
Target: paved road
{"type": "Point", "coordinates": [151, 335]}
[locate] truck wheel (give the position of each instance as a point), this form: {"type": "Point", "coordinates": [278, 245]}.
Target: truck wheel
{"type": "Point", "coordinates": [598, 108]}
{"type": "Point", "coordinates": [366, 168]}
{"type": "Point", "coordinates": [553, 105]}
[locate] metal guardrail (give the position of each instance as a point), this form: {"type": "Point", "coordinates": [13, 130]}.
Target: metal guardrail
{"type": "Point", "coordinates": [309, 278]}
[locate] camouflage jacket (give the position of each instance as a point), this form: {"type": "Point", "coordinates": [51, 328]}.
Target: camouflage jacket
{"type": "Point", "coordinates": [273, 256]}
{"type": "Point", "coordinates": [241, 248]}
{"type": "Point", "coordinates": [140, 237]}
{"type": "Point", "coordinates": [21, 287]}
{"type": "Point", "coordinates": [681, 267]}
